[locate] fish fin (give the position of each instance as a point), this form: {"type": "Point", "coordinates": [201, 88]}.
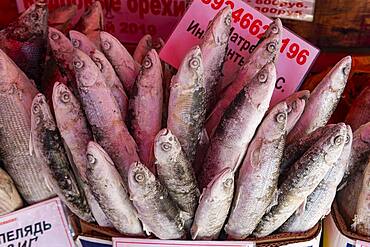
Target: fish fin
{"type": "Point", "coordinates": [194, 231]}
{"type": "Point", "coordinates": [301, 208]}
{"type": "Point", "coordinates": [274, 201]}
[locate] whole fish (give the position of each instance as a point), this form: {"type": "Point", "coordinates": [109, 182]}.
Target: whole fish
{"type": "Point", "coordinates": [63, 50]}
{"type": "Point", "coordinates": [323, 100]}
{"type": "Point", "coordinates": [359, 113]}
{"type": "Point", "coordinates": [319, 202]}
{"type": "Point", "coordinates": [230, 141]}
{"type": "Point", "coordinates": [305, 176]}
{"type": "Point", "coordinates": [112, 80]}
{"type": "Point", "coordinates": [143, 47]}
{"type": "Point", "coordinates": [296, 104]}
{"type": "Point", "coordinates": [76, 134]}
{"type": "Point", "coordinates": [266, 52]}
{"type": "Point", "coordinates": [187, 102]}
{"type": "Point", "coordinates": [111, 192]}
{"type": "Point", "coordinates": [10, 198]}
{"type": "Point", "coordinates": [362, 218]}
{"type": "Point", "coordinates": [61, 18]}
{"type": "Point", "coordinates": [146, 107]}
{"type": "Point", "coordinates": [125, 66]}
{"type": "Point", "coordinates": [47, 144]}
{"type": "Point", "coordinates": [16, 94]}
{"type": "Point", "coordinates": [82, 42]}
{"type": "Point", "coordinates": [25, 40]}
{"type": "Point", "coordinates": [103, 114]}
{"type": "Point", "coordinates": [214, 46]}
{"type": "Point", "coordinates": [176, 172]}
{"type": "Point", "coordinates": [352, 182]}
{"type": "Point", "coordinates": [157, 211]}
{"type": "Point", "coordinates": [256, 187]}
{"type": "Point", "coordinates": [295, 150]}
{"type": "Point", "coordinates": [214, 206]}
{"type": "Point", "coordinates": [92, 22]}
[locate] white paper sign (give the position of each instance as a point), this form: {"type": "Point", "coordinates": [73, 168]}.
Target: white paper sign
{"type": "Point", "coordinates": [132, 242]}
{"type": "Point", "coordinates": [40, 225]}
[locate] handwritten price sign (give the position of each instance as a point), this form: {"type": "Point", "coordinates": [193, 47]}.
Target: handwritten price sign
{"type": "Point", "coordinates": [296, 55]}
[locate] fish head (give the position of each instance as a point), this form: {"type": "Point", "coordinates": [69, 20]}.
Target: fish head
{"type": "Point", "coordinates": [110, 46]}
{"type": "Point", "coordinates": [263, 82]}
{"type": "Point", "coordinates": [275, 28]}
{"type": "Point", "coordinates": [151, 60]}
{"type": "Point", "coordinates": [339, 74]}
{"type": "Point", "coordinates": [92, 19]}
{"type": "Point", "coordinates": [334, 141]}
{"type": "Point", "coordinates": [40, 113]}
{"type": "Point", "coordinates": [221, 25]}
{"type": "Point", "coordinates": [157, 44]}
{"type": "Point", "coordinates": [95, 155]}
{"type": "Point", "coordinates": [140, 179]}
{"type": "Point", "coordinates": [147, 41]}
{"type": "Point", "coordinates": [166, 147]}
{"type": "Point", "coordinates": [296, 105]}
{"type": "Point", "coordinates": [276, 121]}
{"type": "Point", "coordinates": [87, 73]}
{"type": "Point", "coordinates": [222, 184]}
{"type": "Point", "coordinates": [63, 98]}
{"type": "Point", "coordinates": [191, 68]}
{"type": "Point", "coordinates": [99, 59]}
{"type": "Point", "coordinates": [82, 42]}
{"type": "Point", "coordinates": [32, 22]}
{"type": "Point", "coordinates": [61, 46]}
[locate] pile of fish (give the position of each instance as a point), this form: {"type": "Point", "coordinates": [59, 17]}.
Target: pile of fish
{"type": "Point", "coordinates": [131, 143]}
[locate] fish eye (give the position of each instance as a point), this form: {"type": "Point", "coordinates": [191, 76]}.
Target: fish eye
{"type": "Point", "coordinates": [55, 36]}
{"type": "Point", "coordinates": [166, 146]}
{"type": "Point", "coordinates": [274, 29]}
{"type": "Point", "coordinates": [91, 159]}
{"type": "Point", "coordinates": [65, 97]}
{"type": "Point", "coordinates": [271, 47]}
{"type": "Point", "coordinates": [75, 43]}
{"type": "Point", "coordinates": [194, 63]}
{"type": "Point", "coordinates": [228, 20]}
{"type": "Point", "coordinates": [78, 64]}
{"type": "Point", "coordinates": [262, 77]}
{"type": "Point", "coordinates": [280, 118]}
{"type": "Point", "coordinates": [347, 139]}
{"type": "Point", "coordinates": [36, 108]}
{"type": "Point", "coordinates": [139, 177]}
{"type": "Point", "coordinates": [106, 45]}
{"type": "Point", "coordinates": [228, 183]}
{"type": "Point", "coordinates": [147, 63]}
{"type": "Point", "coordinates": [34, 16]}
{"type": "Point", "coordinates": [338, 140]}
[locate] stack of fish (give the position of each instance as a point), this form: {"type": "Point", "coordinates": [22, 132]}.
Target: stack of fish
{"type": "Point", "coordinates": [130, 145]}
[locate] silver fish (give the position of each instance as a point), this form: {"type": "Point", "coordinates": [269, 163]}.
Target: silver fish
{"type": "Point", "coordinates": [111, 192]}
{"type": "Point", "coordinates": [157, 211]}
{"type": "Point", "coordinates": [47, 144]}
{"type": "Point", "coordinates": [186, 107]}
{"type": "Point", "coordinates": [10, 199]}
{"type": "Point", "coordinates": [362, 218]}
{"type": "Point", "coordinates": [214, 46]}
{"type": "Point", "coordinates": [82, 42]}
{"type": "Point", "coordinates": [214, 206]}
{"type": "Point", "coordinates": [176, 172]}
{"type": "Point", "coordinates": [103, 114]}
{"type": "Point", "coordinates": [16, 94]}
{"type": "Point", "coordinates": [352, 182]}
{"type": "Point", "coordinates": [256, 187]}
{"type": "Point", "coordinates": [146, 107]}
{"type": "Point", "coordinates": [305, 176]}
{"type": "Point", "coordinates": [76, 134]}
{"type": "Point", "coordinates": [125, 66]}
{"type": "Point", "coordinates": [112, 81]}
{"type": "Point", "coordinates": [319, 202]}
{"type": "Point", "coordinates": [323, 100]}
{"type": "Point", "coordinates": [230, 141]}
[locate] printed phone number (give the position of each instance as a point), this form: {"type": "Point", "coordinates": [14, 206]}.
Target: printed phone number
{"type": "Point", "coordinates": [256, 28]}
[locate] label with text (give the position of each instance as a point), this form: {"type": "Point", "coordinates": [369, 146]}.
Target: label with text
{"type": "Point", "coordinates": [248, 25]}
{"type": "Point", "coordinates": [362, 244]}
{"type": "Point", "coordinates": [302, 10]}
{"type": "Point", "coordinates": [132, 242]}
{"type": "Point", "coordinates": [130, 20]}
{"type": "Point", "coordinates": [40, 225]}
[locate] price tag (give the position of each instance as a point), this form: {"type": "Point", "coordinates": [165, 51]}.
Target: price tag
{"type": "Point", "coordinates": [132, 242]}
{"type": "Point", "coordinates": [296, 55]}
{"type": "Point", "coordinates": [362, 244]}
{"type": "Point", "coordinates": [42, 225]}
{"type": "Point", "coordinates": [302, 10]}
{"type": "Point", "coordinates": [130, 20]}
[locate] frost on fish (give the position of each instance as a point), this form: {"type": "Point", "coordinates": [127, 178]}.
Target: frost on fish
{"type": "Point", "coordinates": [256, 187]}
{"type": "Point", "coordinates": [236, 129]}
{"type": "Point", "coordinates": [156, 209]}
